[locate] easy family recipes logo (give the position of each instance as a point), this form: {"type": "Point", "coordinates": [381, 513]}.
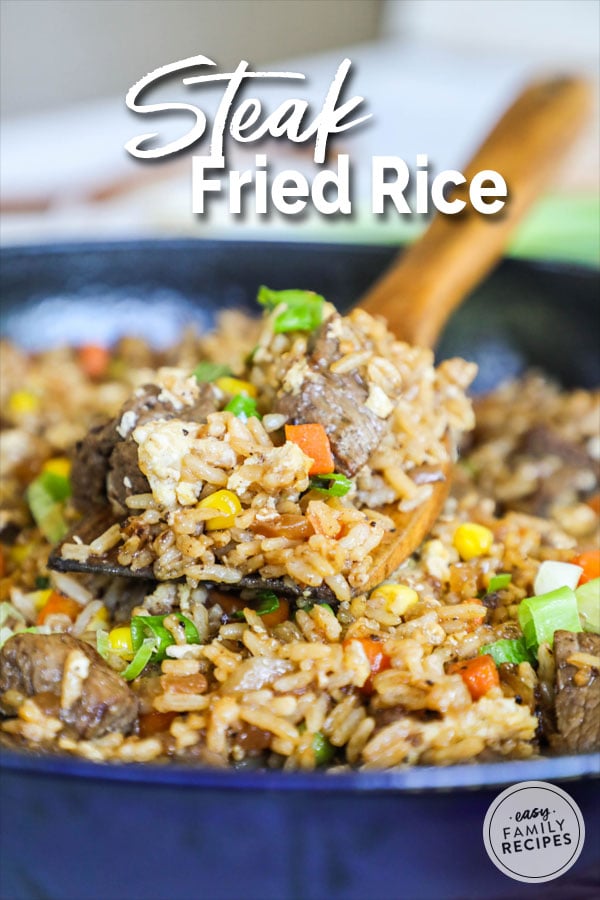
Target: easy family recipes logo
{"type": "Point", "coordinates": [534, 832]}
{"type": "Point", "coordinates": [245, 120]}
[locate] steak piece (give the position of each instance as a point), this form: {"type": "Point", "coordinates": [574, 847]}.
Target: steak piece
{"type": "Point", "coordinates": [577, 707]}
{"type": "Point", "coordinates": [90, 466]}
{"type": "Point", "coordinates": [543, 441]}
{"type": "Point", "coordinates": [34, 664]}
{"type": "Point", "coordinates": [336, 401]}
{"type": "Point", "coordinates": [105, 463]}
{"type": "Point", "coordinates": [124, 477]}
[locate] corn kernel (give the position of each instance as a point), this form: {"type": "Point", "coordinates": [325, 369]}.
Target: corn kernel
{"type": "Point", "coordinates": [40, 598]}
{"type": "Point", "coordinates": [59, 465]}
{"type": "Point", "coordinates": [471, 540]}
{"type": "Point", "coordinates": [397, 597]}
{"type": "Point", "coordinates": [120, 641]}
{"type": "Point", "coordinates": [225, 502]}
{"type": "Point", "coordinates": [22, 403]}
{"type": "Point", "coordinates": [235, 386]}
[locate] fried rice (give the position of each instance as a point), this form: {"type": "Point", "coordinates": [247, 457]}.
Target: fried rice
{"type": "Point", "coordinates": [370, 680]}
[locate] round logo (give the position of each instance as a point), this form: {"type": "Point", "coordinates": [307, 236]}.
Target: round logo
{"type": "Point", "coordinates": [533, 831]}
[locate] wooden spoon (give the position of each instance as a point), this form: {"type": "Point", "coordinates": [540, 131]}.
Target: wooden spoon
{"type": "Point", "coordinates": [421, 289]}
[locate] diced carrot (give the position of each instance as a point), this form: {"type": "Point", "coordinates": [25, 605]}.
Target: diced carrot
{"type": "Point", "coordinates": [594, 503]}
{"type": "Point", "coordinates": [378, 659]}
{"type": "Point", "coordinates": [312, 440]}
{"type": "Point", "coordinates": [58, 603]}
{"type": "Point", "coordinates": [480, 674]}
{"type": "Point", "coordinates": [229, 603]}
{"type": "Point", "coordinates": [93, 359]}
{"type": "Point", "coordinates": [279, 615]}
{"type": "Point", "coordinates": [154, 722]}
{"type": "Point", "coordinates": [589, 561]}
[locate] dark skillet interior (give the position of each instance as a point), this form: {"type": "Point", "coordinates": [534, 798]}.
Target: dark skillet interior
{"type": "Point", "coordinates": [524, 315]}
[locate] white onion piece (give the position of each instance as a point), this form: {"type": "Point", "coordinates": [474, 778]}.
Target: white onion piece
{"type": "Point", "coordinates": [553, 575]}
{"type": "Point", "coordinates": [253, 674]}
{"type": "Point", "coordinates": [70, 587]}
{"type": "Point", "coordinates": [85, 617]}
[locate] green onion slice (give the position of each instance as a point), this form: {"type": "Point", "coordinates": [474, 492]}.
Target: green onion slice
{"type": "Point", "coordinates": [143, 627]}
{"type": "Point", "coordinates": [498, 582]}
{"type": "Point", "coordinates": [334, 484]}
{"type": "Point", "coordinates": [5, 634]}
{"type": "Point", "coordinates": [507, 651]}
{"type": "Point", "coordinates": [46, 495]}
{"type": "Point", "coordinates": [540, 617]}
{"type": "Point", "coordinates": [102, 643]}
{"type": "Point", "coordinates": [210, 371]}
{"type": "Point", "coordinates": [8, 611]}
{"type": "Point", "coordinates": [588, 604]}
{"type": "Point", "coordinates": [269, 602]}
{"type": "Point", "coordinates": [140, 660]}
{"type": "Point", "coordinates": [303, 312]}
{"type": "Point", "coordinates": [243, 407]}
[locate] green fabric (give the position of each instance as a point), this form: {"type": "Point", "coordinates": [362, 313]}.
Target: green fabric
{"type": "Point", "coordinates": [564, 228]}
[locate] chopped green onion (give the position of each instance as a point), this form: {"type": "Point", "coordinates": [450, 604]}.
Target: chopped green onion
{"type": "Point", "coordinates": [102, 643]}
{"type": "Point", "coordinates": [498, 582]}
{"type": "Point", "coordinates": [5, 634]}
{"type": "Point", "coordinates": [304, 309]}
{"type": "Point", "coordinates": [45, 496]}
{"type": "Point", "coordinates": [322, 748]}
{"type": "Point", "coordinates": [210, 371]}
{"type": "Point", "coordinates": [140, 660]}
{"type": "Point", "coordinates": [243, 407]}
{"type": "Point", "coordinates": [334, 484]}
{"type": "Point", "coordinates": [8, 611]}
{"type": "Point", "coordinates": [152, 626]}
{"type": "Point", "coordinates": [42, 582]}
{"type": "Point", "coordinates": [540, 617]}
{"type": "Point", "coordinates": [56, 486]}
{"type": "Point", "coordinates": [507, 651]}
{"type": "Point", "coordinates": [269, 602]}
{"type": "Point", "coordinates": [588, 604]}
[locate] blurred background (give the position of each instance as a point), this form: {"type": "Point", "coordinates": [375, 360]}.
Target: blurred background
{"type": "Point", "coordinates": [435, 75]}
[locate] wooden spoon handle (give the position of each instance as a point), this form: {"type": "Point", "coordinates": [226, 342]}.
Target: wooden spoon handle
{"type": "Point", "coordinates": [420, 290]}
